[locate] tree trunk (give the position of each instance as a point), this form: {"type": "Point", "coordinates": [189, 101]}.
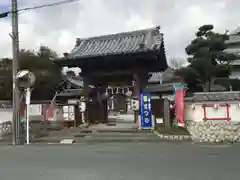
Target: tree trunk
{"type": "Point", "coordinates": [207, 86]}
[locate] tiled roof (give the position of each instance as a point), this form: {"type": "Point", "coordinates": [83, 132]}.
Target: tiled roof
{"type": "Point", "coordinates": [162, 77]}
{"type": "Point", "coordinates": [233, 39]}
{"type": "Point", "coordinates": [154, 88]}
{"type": "Point", "coordinates": [215, 96]}
{"type": "Point", "coordinates": [71, 92]}
{"type": "Point", "coordinates": [127, 42]}
{"type": "Point", "coordinates": [155, 77]}
{"type": "Point", "coordinates": [235, 32]}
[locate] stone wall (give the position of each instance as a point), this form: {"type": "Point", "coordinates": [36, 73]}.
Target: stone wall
{"type": "Point", "coordinates": [214, 131]}
{"type": "Point", "coordinates": [35, 127]}
{"type": "Point", "coordinates": [5, 128]}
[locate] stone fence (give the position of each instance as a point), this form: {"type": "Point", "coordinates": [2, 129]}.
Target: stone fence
{"type": "Point", "coordinates": [213, 117]}
{"type": "Point", "coordinates": [214, 131]}
{"type": "Point", "coordinates": [5, 128]}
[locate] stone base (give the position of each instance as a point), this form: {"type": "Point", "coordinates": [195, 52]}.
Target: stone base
{"type": "Point", "coordinates": [214, 131]}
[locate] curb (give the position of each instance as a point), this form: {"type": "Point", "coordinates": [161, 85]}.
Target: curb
{"type": "Point", "coordinates": [118, 131]}
{"type": "Point", "coordinates": [124, 140]}
{"type": "Point", "coordinates": [96, 142]}
{"type": "Point", "coordinates": [100, 140]}
{"type": "Point", "coordinates": [169, 137]}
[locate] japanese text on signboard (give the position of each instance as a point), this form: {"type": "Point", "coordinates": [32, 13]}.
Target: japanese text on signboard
{"type": "Point", "coordinates": [146, 114]}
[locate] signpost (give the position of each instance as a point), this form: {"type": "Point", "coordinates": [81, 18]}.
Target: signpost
{"type": "Point", "coordinates": [82, 108]}
{"type": "Point", "coordinates": [26, 80]}
{"type": "Point", "coordinates": [28, 99]}
{"type": "Point", "coordinates": [146, 112]}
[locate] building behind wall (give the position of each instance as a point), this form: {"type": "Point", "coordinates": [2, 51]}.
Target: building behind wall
{"type": "Point", "coordinates": [234, 47]}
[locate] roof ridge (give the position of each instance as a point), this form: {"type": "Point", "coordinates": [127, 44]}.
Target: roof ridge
{"type": "Point", "coordinates": [114, 35]}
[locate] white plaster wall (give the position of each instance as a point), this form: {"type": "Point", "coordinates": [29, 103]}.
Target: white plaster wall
{"type": "Point", "coordinates": [197, 114]}
{"type": "Point", "coordinates": [235, 111]}
{"type": "Point", "coordinates": [194, 115]}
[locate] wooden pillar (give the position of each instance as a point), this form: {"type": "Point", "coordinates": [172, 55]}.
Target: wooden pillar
{"type": "Point", "coordinates": [102, 101]}
{"type": "Point", "coordinates": [78, 119]}
{"type": "Point", "coordinates": [136, 93]}
{"type": "Point", "coordinates": [100, 107]}
{"type": "Point", "coordinates": [105, 111]}
{"type": "Point", "coordinates": [86, 97]}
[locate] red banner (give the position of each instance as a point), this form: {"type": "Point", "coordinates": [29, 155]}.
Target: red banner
{"type": "Point", "coordinates": [22, 110]}
{"type": "Point", "coordinates": [50, 112]}
{"type": "Point", "coordinates": [180, 93]}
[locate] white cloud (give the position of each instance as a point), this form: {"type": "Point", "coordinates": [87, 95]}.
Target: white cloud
{"type": "Point", "coordinates": [5, 39]}
{"type": "Point", "coordinates": [136, 21]}
{"type": "Point", "coordinates": [59, 26]}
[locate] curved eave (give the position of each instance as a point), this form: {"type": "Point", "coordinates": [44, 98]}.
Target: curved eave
{"type": "Point", "coordinates": [86, 57]}
{"type": "Point", "coordinates": [160, 53]}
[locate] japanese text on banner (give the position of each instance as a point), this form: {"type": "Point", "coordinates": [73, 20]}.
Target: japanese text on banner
{"type": "Point", "coordinates": [146, 114]}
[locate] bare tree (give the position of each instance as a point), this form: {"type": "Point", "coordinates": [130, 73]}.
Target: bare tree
{"type": "Point", "coordinates": [176, 63]}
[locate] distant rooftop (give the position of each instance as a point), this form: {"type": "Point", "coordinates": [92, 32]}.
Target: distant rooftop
{"type": "Point", "coordinates": [234, 39]}
{"type": "Point", "coordinates": [215, 96]}
{"type": "Point", "coordinates": [235, 32]}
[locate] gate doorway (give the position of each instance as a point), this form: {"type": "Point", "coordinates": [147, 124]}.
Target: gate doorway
{"type": "Point", "coordinates": [116, 59]}
{"type": "Point", "coordinates": [119, 106]}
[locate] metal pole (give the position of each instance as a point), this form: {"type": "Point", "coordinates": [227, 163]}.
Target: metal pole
{"type": "Point", "coordinates": [83, 118]}
{"type": "Point", "coordinates": [16, 94]}
{"type": "Point", "coordinates": [28, 97]}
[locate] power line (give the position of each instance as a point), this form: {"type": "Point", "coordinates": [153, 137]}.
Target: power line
{"type": "Point", "coordinates": [5, 14]}
{"type": "Point", "coordinates": [48, 5]}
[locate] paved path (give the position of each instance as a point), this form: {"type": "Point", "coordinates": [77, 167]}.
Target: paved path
{"type": "Point", "coordinates": [135, 161]}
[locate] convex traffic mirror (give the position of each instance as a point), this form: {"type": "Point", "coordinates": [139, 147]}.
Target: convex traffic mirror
{"type": "Point", "coordinates": [25, 79]}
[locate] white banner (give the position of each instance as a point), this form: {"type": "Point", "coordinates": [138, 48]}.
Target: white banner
{"type": "Point", "coordinates": [35, 109]}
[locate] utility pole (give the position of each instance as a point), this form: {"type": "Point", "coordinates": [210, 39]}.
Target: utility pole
{"type": "Point", "coordinates": [16, 124]}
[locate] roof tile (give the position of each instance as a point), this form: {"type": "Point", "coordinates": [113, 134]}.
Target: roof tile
{"type": "Point", "coordinates": [128, 42]}
{"type": "Point", "coordinates": [215, 96]}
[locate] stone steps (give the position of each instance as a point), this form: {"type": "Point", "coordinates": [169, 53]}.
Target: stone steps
{"type": "Point", "coordinates": [117, 134]}
{"type": "Point", "coordinates": [120, 139]}
{"type": "Point", "coordinates": [116, 130]}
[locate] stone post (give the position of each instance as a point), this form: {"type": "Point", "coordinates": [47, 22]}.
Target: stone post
{"type": "Point", "coordinates": [166, 113]}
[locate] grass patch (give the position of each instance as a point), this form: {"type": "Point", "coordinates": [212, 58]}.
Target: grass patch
{"type": "Point", "coordinates": [172, 131]}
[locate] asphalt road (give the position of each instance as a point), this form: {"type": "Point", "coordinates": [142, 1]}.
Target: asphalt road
{"type": "Point", "coordinates": [120, 161]}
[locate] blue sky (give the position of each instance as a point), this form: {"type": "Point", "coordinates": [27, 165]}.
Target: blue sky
{"type": "Point", "coordinates": [6, 4]}
{"type": "Point", "coordinates": [3, 8]}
